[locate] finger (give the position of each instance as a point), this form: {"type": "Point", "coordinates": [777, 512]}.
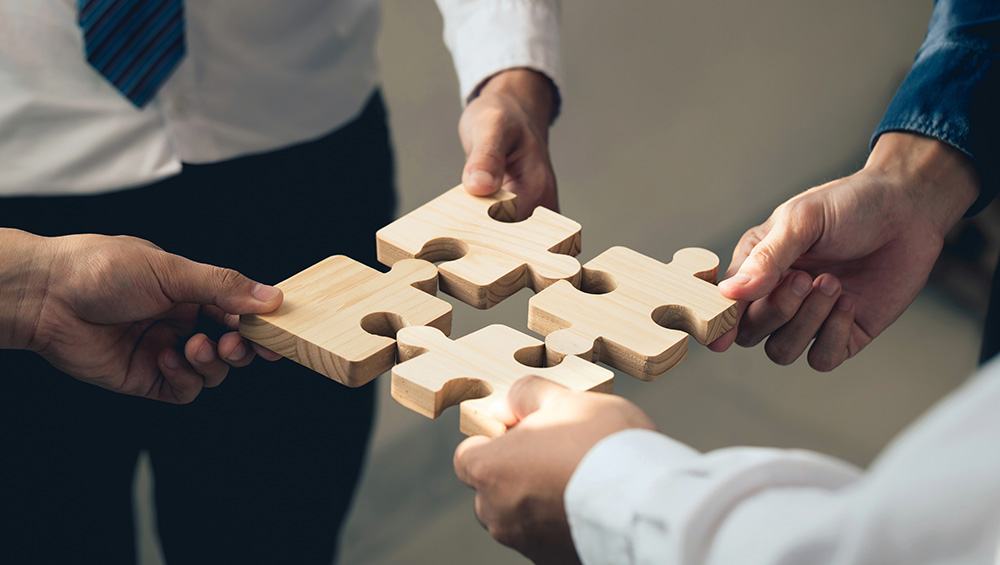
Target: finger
{"type": "Point", "coordinates": [726, 340]}
{"type": "Point", "coordinates": [467, 454]}
{"type": "Point", "coordinates": [773, 311]}
{"type": "Point", "coordinates": [831, 346]}
{"type": "Point", "coordinates": [793, 233]}
{"type": "Point", "coordinates": [487, 155]}
{"type": "Point", "coordinates": [264, 353]}
{"type": "Point", "coordinates": [200, 352]}
{"type": "Point", "coordinates": [183, 280]}
{"type": "Point", "coordinates": [234, 350]}
{"type": "Point", "coordinates": [743, 248]}
{"type": "Point", "coordinates": [787, 344]}
{"type": "Point", "coordinates": [217, 315]}
{"type": "Point", "coordinates": [530, 394]}
{"type": "Point", "coordinates": [180, 383]}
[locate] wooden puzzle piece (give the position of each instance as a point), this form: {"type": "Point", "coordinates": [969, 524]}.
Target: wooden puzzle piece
{"type": "Point", "coordinates": [633, 312]}
{"type": "Point", "coordinates": [339, 317]}
{"type": "Point", "coordinates": [487, 256]}
{"type": "Point", "coordinates": [476, 371]}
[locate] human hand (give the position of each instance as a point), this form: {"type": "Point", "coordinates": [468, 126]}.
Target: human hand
{"type": "Point", "coordinates": [842, 261]}
{"type": "Point", "coordinates": [505, 134]}
{"type": "Point", "coordinates": [520, 477]}
{"type": "Point", "coordinates": [116, 311]}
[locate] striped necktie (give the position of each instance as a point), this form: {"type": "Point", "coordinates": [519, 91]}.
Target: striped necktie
{"type": "Point", "coordinates": [135, 44]}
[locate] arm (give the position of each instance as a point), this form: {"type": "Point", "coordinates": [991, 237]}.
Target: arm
{"type": "Point", "coordinates": [842, 261]}
{"type": "Point", "coordinates": [507, 58]}
{"type": "Point", "coordinates": [631, 495]}
{"type": "Point", "coordinates": [115, 311]}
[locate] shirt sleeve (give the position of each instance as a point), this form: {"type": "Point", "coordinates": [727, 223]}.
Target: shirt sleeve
{"type": "Point", "coordinates": [951, 92]}
{"type": "Point", "coordinates": [489, 36]}
{"type": "Point", "coordinates": [931, 497]}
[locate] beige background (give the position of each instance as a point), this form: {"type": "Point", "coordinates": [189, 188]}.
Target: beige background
{"type": "Point", "coordinates": [684, 123]}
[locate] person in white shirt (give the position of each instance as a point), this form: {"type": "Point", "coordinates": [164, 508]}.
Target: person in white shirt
{"type": "Point", "coordinates": [265, 149]}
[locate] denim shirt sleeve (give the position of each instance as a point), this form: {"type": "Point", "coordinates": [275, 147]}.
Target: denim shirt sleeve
{"type": "Point", "coordinates": [952, 92]}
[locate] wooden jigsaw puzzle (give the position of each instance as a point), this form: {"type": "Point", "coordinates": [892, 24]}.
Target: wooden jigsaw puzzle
{"type": "Point", "coordinates": [340, 317]}
{"type": "Point", "coordinates": [476, 371]}
{"type": "Point", "coordinates": [634, 313]}
{"type": "Point", "coordinates": [487, 257]}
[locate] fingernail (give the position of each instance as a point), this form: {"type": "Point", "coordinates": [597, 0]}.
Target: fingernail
{"type": "Point", "coordinates": [239, 353]}
{"type": "Point", "coordinates": [829, 286]}
{"type": "Point", "coordinates": [739, 279]}
{"type": "Point", "coordinates": [844, 304]}
{"type": "Point", "coordinates": [265, 293]}
{"type": "Point", "coordinates": [172, 360]}
{"type": "Point", "coordinates": [204, 354]}
{"type": "Point", "coordinates": [481, 178]}
{"type": "Point", "coordinates": [801, 284]}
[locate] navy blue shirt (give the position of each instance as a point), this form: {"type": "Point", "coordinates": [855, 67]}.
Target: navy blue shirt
{"type": "Point", "coordinates": [952, 93]}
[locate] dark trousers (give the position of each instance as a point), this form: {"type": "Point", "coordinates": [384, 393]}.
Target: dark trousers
{"type": "Point", "coordinates": [258, 470]}
{"type": "Point", "coordinates": [991, 332]}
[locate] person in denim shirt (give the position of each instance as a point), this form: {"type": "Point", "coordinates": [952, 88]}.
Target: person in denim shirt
{"type": "Point", "coordinates": [586, 476]}
{"type": "Point", "coordinates": [866, 243]}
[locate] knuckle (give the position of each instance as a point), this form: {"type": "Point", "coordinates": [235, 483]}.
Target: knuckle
{"type": "Point", "coordinates": [227, 278]}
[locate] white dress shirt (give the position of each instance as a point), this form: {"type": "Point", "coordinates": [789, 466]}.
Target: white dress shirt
{"type": "Point", "coordinates": [933, 496]}
{"type": "Point", "coordinates": [258, 75]}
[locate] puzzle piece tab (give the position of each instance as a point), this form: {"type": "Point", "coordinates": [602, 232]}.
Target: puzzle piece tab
{"type": "Point", "coordinates": [339, 316]}
{"type": "Point", "coordinates": [477, 370]}
{"type": "Point", "coordinates": [634, 313]}
{"type": "Point", "coordinates": [487, 256]}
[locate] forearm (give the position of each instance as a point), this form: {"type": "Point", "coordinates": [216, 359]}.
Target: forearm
{"type": "Point", "coordinates": [24, 276]}
{"type": "Point", "coordinates": [935, 178]}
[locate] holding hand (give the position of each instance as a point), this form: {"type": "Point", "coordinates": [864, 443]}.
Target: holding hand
{"type": "Point", "coordinates": [521, 476]}
{"type": "Point", "coordinates": [116, 311]}
{"type": "Point", "coordinates": [505, 134]}
{"type": "Point", "coordinates": [840, 262]}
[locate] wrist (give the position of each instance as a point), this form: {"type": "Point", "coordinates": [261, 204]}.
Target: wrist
{"type": "Point", "coordinates": [936, 178]}
{"type": "Point", "coordinates": [24, 280]}
{"type": "Point", "coordinates": [532, 90]}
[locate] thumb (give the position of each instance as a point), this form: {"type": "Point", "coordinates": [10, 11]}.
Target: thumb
{"type": "Point", "coordinates": [528, 395]}
{"type": "Point", "coordinates": [487, 158]}
{"type": "Point", "coordinates": [187, 281]}
{"type": "Point", "coordinates": [764, 265]}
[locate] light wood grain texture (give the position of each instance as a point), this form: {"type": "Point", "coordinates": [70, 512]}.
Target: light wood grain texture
{"type": "Point", "coordinates": [339, 317]}
{"type": "Point", "coordinates": [476, 371]}
{"type": "Point", "coordinates": [634, 313]}
{"type": "Point", "coordinates": [487, 257]}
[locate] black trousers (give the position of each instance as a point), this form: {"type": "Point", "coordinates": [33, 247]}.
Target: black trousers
{"type": "Point", "coordinates": [991, 332]}
{"type": "Point", "coordinates": [258, 470]}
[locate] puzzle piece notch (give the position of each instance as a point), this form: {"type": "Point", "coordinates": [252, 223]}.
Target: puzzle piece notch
{"type": "Point", "coordinates": [486, 256]}
{"type": "Point", "coordinates": [339, 317]}
{"type": "Point", "coordinates": [634, 313]}
{"type": "Point", "coordinates": [476, 371]}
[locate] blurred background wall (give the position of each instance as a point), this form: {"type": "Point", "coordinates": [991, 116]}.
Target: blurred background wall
{"type": "Point", "coordinates": [683, 124]}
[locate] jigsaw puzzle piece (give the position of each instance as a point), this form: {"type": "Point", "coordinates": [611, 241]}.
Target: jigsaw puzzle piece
{"type": "Point", "coordinates": [634, 313]}
{"type": "Point", "coordinates": [487, 257]}
{"type": "Point", "coordinates": [476, 371]}
{"type": "Point", "coordinates": [339, 317]}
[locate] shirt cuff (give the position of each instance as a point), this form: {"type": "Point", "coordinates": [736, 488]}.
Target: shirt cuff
{"type": "Point", "coordinates": [641, 497]}
{"type": "Point", "coordinates": [951, 94]}
{"type": "Point", "coordinates": [618, 469]}
{"type": "Point", "coordinates": [490, 36]}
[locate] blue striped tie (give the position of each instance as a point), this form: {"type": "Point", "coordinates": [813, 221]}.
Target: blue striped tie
{"type": "Point", "coordinates": [135, 44]}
